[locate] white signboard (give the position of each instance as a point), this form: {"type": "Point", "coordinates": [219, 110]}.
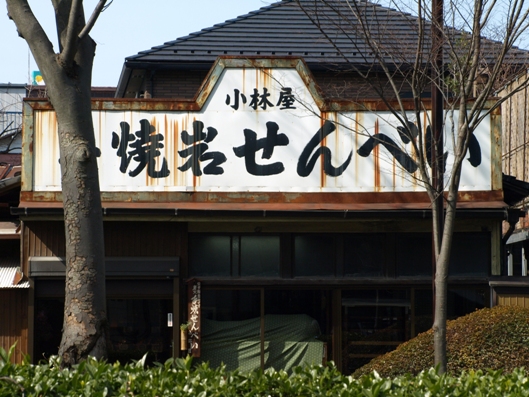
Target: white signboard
{"type": "Point", "coordinates": [258, 131]}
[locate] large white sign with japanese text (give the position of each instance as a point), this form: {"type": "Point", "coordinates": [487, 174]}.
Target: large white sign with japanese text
{"type": "Point", "coordinates": [258, 131]}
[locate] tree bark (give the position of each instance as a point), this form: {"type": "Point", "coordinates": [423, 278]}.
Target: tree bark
{"type": "Point", "coordinates": [85, 301]}
{"type": "Point", "coordinates": [68, 80]}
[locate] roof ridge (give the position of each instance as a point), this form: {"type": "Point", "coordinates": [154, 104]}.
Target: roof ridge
{"type": "Point", "coordinates": [216, 26]}
{"type": "Point", "coordinates": [283, 28]}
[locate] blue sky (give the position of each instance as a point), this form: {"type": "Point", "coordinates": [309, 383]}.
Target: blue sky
{"type": "Point", "coordinates": [125, 28]}
{"type": "Point", "coordinates": [128, 27]}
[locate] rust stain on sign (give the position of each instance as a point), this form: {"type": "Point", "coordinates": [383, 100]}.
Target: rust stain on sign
{"type": "Point", "coordinates": [323, 118]}
{"type": "Point", "coordinates": [267, 201]}
{"type": "Point", "coordinates": [376, 156]}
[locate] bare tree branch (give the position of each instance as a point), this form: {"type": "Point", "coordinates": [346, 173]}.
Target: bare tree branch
{"type": "Point", "coordinates": [92, 20]}
{"type": "Point", "coordinates": [70, 43]}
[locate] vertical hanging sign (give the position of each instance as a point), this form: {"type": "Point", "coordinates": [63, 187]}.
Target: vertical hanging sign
{"type": "Point", "coordinates": [193, 305]}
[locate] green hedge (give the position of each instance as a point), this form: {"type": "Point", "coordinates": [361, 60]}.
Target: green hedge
{"type": "Point", "coordinates": [496, 338]}
{"type": "Point", "coordinates": [179, 378]}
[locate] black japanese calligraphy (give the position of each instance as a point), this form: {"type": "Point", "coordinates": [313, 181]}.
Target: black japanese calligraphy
{"type": "Point", "coordinates": [305, 166]}
{"type": "Point", "coordinates": [197, 151]}
{"type": "Point", "coordinates": [145, 148]}
{"type": "Point", "coordinates": [408, 134]}
{"type": "Point", "coordinates": [286, 99]}
{"type": "Point", "coordinates": [429, 148]}
{"type": "Point", "coordinates": [260, 99]}
{"type": "Point", "coordinates": [252, 145]}
{"type": "Point", "coordinates": [236, 97]}
{"type": "Point", "coordinates": [403, 158]}
{"type": "Point", "coordinates": [474, 150]}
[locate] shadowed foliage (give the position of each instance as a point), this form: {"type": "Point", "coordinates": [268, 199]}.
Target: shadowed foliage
{"type": "Point", "coordinates": [496, 338]}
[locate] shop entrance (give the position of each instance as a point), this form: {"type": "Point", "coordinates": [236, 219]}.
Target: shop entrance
{"type": "Point", "coordinates": [137, 314]}
{"type": "Point", "coordinates": [263, 327]}
{"type": "Point", "coordinates": [138, 327]}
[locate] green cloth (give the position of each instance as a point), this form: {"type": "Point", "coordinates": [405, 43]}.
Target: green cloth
{"type": "Point", "coordinates": [290, 340]}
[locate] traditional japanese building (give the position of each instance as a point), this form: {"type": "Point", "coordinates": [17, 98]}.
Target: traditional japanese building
{"type": "Point", "coordinates": [514, 289]}
{"type": "Point", "coordinates": [244, 195]}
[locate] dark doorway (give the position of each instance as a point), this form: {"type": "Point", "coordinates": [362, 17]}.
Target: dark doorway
{"type": "Point", "coordinates": [138, 327]}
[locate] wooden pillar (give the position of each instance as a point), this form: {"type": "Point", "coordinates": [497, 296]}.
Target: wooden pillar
{"type": "Point", "coordinates": [176, 317]}
{"type": "Point", "coordinates": [524, 263]}
{"type": "Point", "coordinates": [337, 328]}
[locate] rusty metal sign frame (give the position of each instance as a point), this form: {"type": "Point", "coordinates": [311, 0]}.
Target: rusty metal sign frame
{"type": "Point", "coordinates": [251, 200]}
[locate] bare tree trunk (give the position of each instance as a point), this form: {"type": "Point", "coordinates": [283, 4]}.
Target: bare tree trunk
{"type": "Point", "coordinates": [84, 309]}
{"type": "Point", "coordinates": [441, 280]}
{"type": "Point", "coordinates": [68, 77]}
{"type": "Point", "coordinates": [440, 263]}
{"type": "Point", "coordinates": [440, 310]}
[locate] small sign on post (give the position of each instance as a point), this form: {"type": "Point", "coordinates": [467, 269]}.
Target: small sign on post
{"type": "Point", "coordinates": [193, 334]}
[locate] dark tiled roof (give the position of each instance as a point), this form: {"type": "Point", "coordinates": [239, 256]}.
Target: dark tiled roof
{"type": "Point", "coordinates": [281, 29]}
{"type": "Point", "coordinates": [327, 34]}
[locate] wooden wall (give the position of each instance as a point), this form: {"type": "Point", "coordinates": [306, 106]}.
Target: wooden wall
{"type": "Point", "coordinates": [14, 324]}
{"type": "Point", "coordinates": [520, 300]}
{"type": "Point", "coordinates": [181, 84]}
{"type": "Point", "coordinates": [515, 137]}
{"type": "Point", "coordinates": [130, 238]}
{"type": "Point", "coordinates": [122, 238]}
{"type": "Point", "coordinates": [175, 83]}
{"type": "Point", "coordinates": [138, 238]}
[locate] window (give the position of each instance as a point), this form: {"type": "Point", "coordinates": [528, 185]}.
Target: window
{"type": "Point", "coordinates": [413, 253]}
{"type": "Point", "coordinates": [466, 259]}
{"type": "Point", "coordinates": [260, 256]}
{"type": "Point", "coordinates": [365, 255]}
{"type": "Point", "coordinates": [326, 255]}
{"type": "Point", "coordinates": [209, 255]}
{"type": "Point", "coordinates": [314, 255]}
{"type": "Point", "coordinates": [137, 327]}
{"type": "Point", "coordinates": [237, 256]}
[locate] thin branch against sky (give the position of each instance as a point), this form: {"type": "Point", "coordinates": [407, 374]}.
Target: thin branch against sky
{"type": "Point", "coordinates": [125, 28]}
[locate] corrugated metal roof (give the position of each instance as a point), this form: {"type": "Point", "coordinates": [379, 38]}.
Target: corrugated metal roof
{"type": "Point", "coordinates": [8, 271]}
{"type": "Point", "coordinates": [9, 228]}
{"type": "Point", "coordinates": [321, 32]}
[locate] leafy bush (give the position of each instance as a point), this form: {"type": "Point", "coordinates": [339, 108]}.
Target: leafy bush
{"type": "Point", "coordinates": [496, 339]}
{"type": "Point", "coordinates": [178, 378]}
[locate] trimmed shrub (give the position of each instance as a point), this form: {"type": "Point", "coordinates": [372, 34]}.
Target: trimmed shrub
{"type": "Point", "coordinates": [178, 377]}
{"type": "Point", "coordinates": [496, 339]}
